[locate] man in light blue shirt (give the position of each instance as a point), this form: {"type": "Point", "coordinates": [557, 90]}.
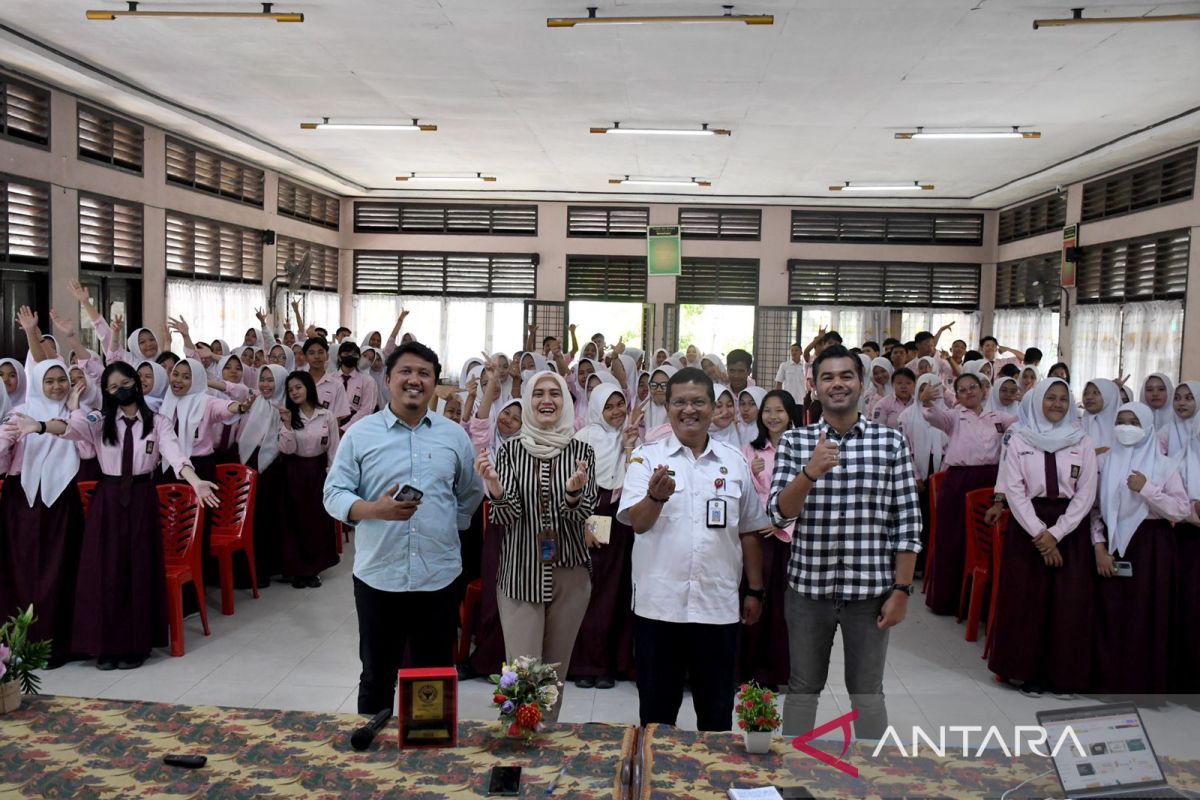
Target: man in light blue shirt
{"type": "Point", "coordinates": [407, 553]}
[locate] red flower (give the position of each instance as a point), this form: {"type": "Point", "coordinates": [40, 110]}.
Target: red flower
{"type": "Point", "coordinates": [498, 699]}
{"type": "Point", "coordinates": [761, 721]}
{"type": "Point", "coordinates": [745, 686]}
{"type": "Point", "coordinates": [742, 724]}
{"type": "Point", "coordinates": [529, 716]}
{"type": "Point", "coordinates": [514, 729]}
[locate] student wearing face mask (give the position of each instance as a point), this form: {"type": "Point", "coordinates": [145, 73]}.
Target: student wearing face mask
{"type": "Point", "coordinates": [1141, 494]}
{"type": "Point", "coordinates": [360, 388]}
{"type": "Point", "coordinates": [1049, 479]}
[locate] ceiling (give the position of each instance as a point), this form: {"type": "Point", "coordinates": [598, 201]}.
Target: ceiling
{"type": "Point", "coordinates": [812, 101]}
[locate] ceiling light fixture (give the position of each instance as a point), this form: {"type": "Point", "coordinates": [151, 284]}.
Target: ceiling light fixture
{"type": "Point", "coordinates": [478, 177]}
{"type": "Point", "coordinates": [1077, 18]}
{"type": "Point", "coordinates": [703, 130]}
{"type": "Point", "coordinates": [133, 11]}
{"type": "Point", "coordinates": [913, 186]}
{"type": "Point", "coordinates": [921, 133]}
{"type": "Point", "coordinates": [326, 125]}
{"type": "Point", "coordinates": [628, 181]}
{"type": "Point", "coordinates": [592, 19]}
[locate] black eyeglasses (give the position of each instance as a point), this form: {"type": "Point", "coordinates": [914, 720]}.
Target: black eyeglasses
{"type": "Point", "coordinates": [656, 385]}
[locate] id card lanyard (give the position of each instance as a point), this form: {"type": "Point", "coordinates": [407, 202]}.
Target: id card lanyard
{"type": "Point", "coordinates": [548, 536]}
{"type": "Point", "coordinates": [716, 508]}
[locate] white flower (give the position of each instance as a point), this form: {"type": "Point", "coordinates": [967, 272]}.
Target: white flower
{"type": "Point", "coordinates": [548, 695]}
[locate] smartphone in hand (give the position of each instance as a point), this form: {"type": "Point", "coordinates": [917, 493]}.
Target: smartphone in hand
{"type": "Point", "coordinates": [409, 493]}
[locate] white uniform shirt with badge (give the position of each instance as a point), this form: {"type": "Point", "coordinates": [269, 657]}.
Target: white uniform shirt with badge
{"type": "Point", "coordinates": [684, 570]}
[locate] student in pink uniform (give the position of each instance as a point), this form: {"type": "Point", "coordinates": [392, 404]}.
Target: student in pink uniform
{"type": "Point", "coordinates": [1141, 494]}
{"type": "Point", "coordinates": [972, 460]}
{"type": "Point", "coordinates": [193, 413]}
{"type": "Point", "coordinates": [258, 448]}
{"type": "Point", "coordinates": [120, 597]}
{"type": "Point", "coordinates": [362, 393]}
{"type": "Point", "coordinates": [1044, 618]}
{"type": "Point", "coordinates": [879, 382]}
{"type": "Point", "coordinates": [308, 439]}
{"type": "Point", "coordinates": [889, 406]}
{"type": "Point", "coordinates": [331, 392]}
{"type": "Point", "coordinates": [230, 385]}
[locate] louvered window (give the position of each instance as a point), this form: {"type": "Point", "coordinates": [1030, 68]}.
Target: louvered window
{"type": "Point", "coordinates": [323, 270]}
{"type": "Point", "coordinates": [743, 224]}
{"type": "Point", "coordinates": [205, 248]}
{"type": "Point", "coordinates": [24, 111]}
{"type": "Point", "coordinates": [1163, 181]}
{"type": "Point", "coordinates": [109, 139]}
{"type": "Point", "coordinates": [1146, 268]}
{"type": "Point", "coordinates": [110, 234]}
{"type": "Point", "coordinates": [24, 221]}
{"type": "Point", "coordinates": [1044, 214]}
{"type": "Point", "coordinates": [607, 222]}
{"type": "Point", "coordinates": [457, 274]}
{"type": "Point", "coordinates": [1029, 282]}
{"type": "Point", "coordinates": [308, 205]}
{"type": "Point", "coordinates": [617, 278]}
{"type": "Point", "coordinates": [879, 283]}
{"type": "Point", "coordinates": [729, 281]}
{"type": "Point", "coordinates": [887, 227]}
{"type": "Point", "coordinates": [205, 171]}
{"type": "Point", "coordinates": [479, 220]}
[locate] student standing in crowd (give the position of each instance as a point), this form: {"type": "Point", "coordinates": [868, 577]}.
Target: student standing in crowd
{"type": "Point", "coordinates": [359, 387]}
{"type": "Point", "coordinates": [331, 392]}
{"type": "Point", "coordinates": [1157, 392]}
{"type": "Point", "coordinates": [258, 448]}
{"type": "Point", "coordinates": [1183, 447]}
{"type": "Point", "coordinates": [791, 373]}
{"type": "Point", "coordinates": [847, 485]}
{"type": "Point", "coordinates": [889, 408]}
{"type": "Point", "coordinates": [739, 364]}
{"type": "Point", "coordinates": [1101, 398]}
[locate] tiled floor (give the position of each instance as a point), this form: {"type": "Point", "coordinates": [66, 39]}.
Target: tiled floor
{"type": "Point", "coordinates": [298, 649]}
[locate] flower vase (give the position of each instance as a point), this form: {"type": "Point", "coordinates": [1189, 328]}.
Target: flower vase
{"type": "Point", "coordinates": [758, 741]}
{"type": "Point", "coordinates": [10, 697]}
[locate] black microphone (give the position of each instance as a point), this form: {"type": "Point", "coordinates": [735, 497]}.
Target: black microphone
{"type": "Point", "coordinates": [361, 739]}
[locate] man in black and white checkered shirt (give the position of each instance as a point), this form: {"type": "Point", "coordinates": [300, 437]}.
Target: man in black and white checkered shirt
{"type": "Point", "coordinates": [848, 485]}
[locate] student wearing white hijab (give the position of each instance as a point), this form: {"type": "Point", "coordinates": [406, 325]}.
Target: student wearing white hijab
{"type": "Point", "coordinates": [1183, 447]}
{"type": "Point", "coordinates": [154, 383]}
{"type": "Point", "coordinates": [1048, 478]}
{"type": "Point", "coordinates": [41, 517]}
{"type": "Point", "coordinates": [283, 356]}
{"type": "Point", "coordinates": [656, 409]}
{"type": "Point", "coordinates": [1101, 398]}
{"type": "Point", "coordinates": [749, 402]}
{"type": "Point", "coordinates": [258, 448]}
{"type": "Point", "coordinates": [12, 373]}
{"type": "Point", "coordinates": [542, 487]}
{"type": "Point", "coordinates": [1157, 392]}
{"type": "Point", "coordinates": [715, 367]}
{"type": "Point", "coordinates": [1004, 397]}
{"type": "Point", "coordinates": [724, 426]}
{"type": "Point", "coordinates": [661, 356]}
{"type": "Point", "coordinates": [604, 646]}
{"type": "Point", "coordinates": [1141, 494]}
{"type": "Point", "coordinates": [879, 381]}
{"type": "Point", "coordinates": [372, 363]}
{"type": "Point", "coordinates": [194, 412]}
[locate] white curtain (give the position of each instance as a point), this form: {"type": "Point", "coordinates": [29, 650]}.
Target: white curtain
{"type": "Point", "coordinates": [966, 325]}
{"type": "Point", "coordinates": [1095, 344]}
{"type": "Point", "coordinates": [213, 310]}
{"type": "Point", "coordinates": [1022, 328]}
{"type": "Point", "coordinates": [1151, 340]}
{"type": "Point", "coordinates": [855, 324]}
{"type": "Point", "coordinates": [322, 310]}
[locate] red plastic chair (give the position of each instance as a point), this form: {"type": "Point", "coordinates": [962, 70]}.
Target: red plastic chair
{"type": "Point", "coordinates": [86, 490]}
{"type": "Point", "coordinates": [470, 607]}
{"type": "Point", "coordinates": [977, 568]}
{"type": "Point", "coordinates": [233, 526]}
{"type": "Point", "coordinates": [934, 486]}
{"type": "Point", "coordinates": [997, 558]}
{"type": "Point", "coordinates": [182, 519]}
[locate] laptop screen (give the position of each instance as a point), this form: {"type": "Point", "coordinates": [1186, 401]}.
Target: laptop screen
{"type": "Point", "coordinates": [1117, 751]}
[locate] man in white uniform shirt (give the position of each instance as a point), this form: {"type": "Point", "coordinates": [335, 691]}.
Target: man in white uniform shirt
{"type": "Point", "coordinates": [692, 503]}
{"type": "Point", "coordinates": [792, 374]}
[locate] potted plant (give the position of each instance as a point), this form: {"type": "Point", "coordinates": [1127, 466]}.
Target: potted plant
{"type": "Point", "coordinates": [525, 690]}
{"type": "Point", "coordinates": [757, 716]}
{"type": "Point", "coordinates": [19, 657]}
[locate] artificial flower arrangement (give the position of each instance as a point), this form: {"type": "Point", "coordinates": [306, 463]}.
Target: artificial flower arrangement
{"type": "Point", "coordinates": [19, 657]}
{"type": "Point", "coordinates": [757, 716]}
{"type": "Point", "coordinates": [525, 690]}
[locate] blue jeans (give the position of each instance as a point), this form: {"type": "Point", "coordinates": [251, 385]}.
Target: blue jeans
{"type": "Point", "coordinates": [811, 625]}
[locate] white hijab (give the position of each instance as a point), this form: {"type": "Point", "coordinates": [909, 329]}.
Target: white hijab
{"type": "Point", "coordinates": [606, 441]}
{"type": "Point", "coordinates": [131, 342]}
{"type": "Point", "coordinates": [926, 440]}
{"type": "Point", "coordinates": [885, 365]}
{"type": "Point", "coordinates": [380, 378]}
{"type": "Point", "coordinates": [187, 412]}
{"type": "Point", "coordinates": [289, 356]}
{"type": "Point", "coordinates": [994, 403]}
{"type": "Point", "coordinates": [154, 399]}
{"type": "Point", "coordinates": [1099, 427]}
{"type": "Point", "coordinates": [1123, 509]}
{"type": "Point", "coordinates": [464, 374]}
{"type": "Point", "coordinates": [1164, 415]}
{"type": "Point", "coordinates": [366, 342]}
{"type": "Point", "coordinates": [748, 431]}
{"type": "Point", "coordinates": [260, 428]}
{"type": "Point", "coordinates": [729, 435]}
{"type": "Point", "coordinates": [90, 399]}
{"type": "Point", "coordinates": [499, 438]}
{"type": "Point", "coordinates": [631, 377]}
{"type": "Point", "coordinates": [657, 415]}
{"type": "Point", "coordinates": [220, 376]}
{"type": "Point", "coordinates": [546, 443]}
{"type": "Point", "coordinates": [1183, 446]}
{"type": "Point", "coordinates": [48, 463]}
{"type": "Point", "coordinates": [18, 397]}
{"type": "Point", "coordinates": [666, 358]}
{"type": "Point", "coordinates": [716, 362]}
{"type": "Point", "coordinates": [1047, 436]}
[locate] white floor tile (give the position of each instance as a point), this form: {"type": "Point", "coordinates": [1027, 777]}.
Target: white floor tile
{"type": "Point", "coordinates": [298, 697]}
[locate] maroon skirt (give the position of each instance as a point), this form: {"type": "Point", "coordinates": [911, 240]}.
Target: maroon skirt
{"type": "Point", "coordinates": [950, 547]}
{"type": "Point", "coordinates": [1044, 614]}
{"type": "Point", "coordinates": [121, 594]}
{"type": "Point", "coordinates": [270, 496]}
{"type": "Point", "coordinates": [764, 645]}
{"type": "Point", "coordinates": [1186, 645]}
{"type": "Point", "coordinates": [1133, 621]}
{"type": "Point", "coordinates": [89, 470]}
{"type": "Point", "coordinates": [308, 545]}
{"type": "Point", "coordinates": [488, 654]}
{"type": "Point", "coordinates": [604, 645]}
{"type": "Point", "coordinates": [39, 561]}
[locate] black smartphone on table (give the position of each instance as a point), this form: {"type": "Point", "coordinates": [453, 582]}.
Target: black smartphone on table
{"type": "Point", "coordinates": [505, 782]}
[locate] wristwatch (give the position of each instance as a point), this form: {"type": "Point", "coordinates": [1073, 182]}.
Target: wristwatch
{"type": "Point", "coordinates": [907, 588]}
{"type": "Point", "coordinates": [757, 594]}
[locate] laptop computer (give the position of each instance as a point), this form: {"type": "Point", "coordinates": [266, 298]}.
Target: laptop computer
{"type": "Point", "coordinates": [1118, 759]}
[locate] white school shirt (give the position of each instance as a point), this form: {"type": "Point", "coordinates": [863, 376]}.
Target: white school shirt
{"type": "Point", "coordinates": [684, 571]}
{"type": "Point", "coordinates": [792, 376]}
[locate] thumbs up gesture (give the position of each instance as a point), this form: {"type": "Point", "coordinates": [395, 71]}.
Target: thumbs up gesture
{"type": "Point", "coordinates": [824, 458]}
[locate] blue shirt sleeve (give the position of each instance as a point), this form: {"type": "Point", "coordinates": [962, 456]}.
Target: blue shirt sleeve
{"type": "Point", "coordinates": [343, 480]}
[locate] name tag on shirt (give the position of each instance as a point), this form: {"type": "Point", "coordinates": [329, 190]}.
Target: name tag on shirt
{"type": "Point", "coordinates": [324, 404]}
{"type": "Point", "coordinates": [1074, 471]}
{"type": "Point", "coordinates": [324, 441]}
{"type": "Point", "coordinates": [356, 399]}
{"type": "Point", "coordinates": [149, 447]}
{"type": "Point", "coordinates": [716, 513]}
{"type": "Point", "coordinates": [999, 427]}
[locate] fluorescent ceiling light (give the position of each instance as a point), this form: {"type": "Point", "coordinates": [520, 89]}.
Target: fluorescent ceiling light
{"type": "Point", "coordinates": [921, 133]}
{"type": "Point", "coordinates": [703, 130]}
{"type": "Point", "coordinates": [326, 125]}
{"type": "Point", "coordinates": [592, 19]}
{"type": "Point", "coordinates": [132, 11]}
{"type": "Point", "coordinates": [1077, 18]}
{"type": "Point", "coordinates": [627, 181]}
{"type": "Point", "coordinates": [911, 186]}
{"type": "Point", "coordinates": [478, 177]}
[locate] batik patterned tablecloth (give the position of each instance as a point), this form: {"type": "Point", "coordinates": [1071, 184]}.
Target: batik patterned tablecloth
{"type": "Point", "coordinates": [702, 766]}
{"type": "Point", "coordinates": [79, 748]}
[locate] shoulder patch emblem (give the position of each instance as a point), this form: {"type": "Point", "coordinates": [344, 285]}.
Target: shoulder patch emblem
{"type": "Point", "coordinates": [93, 417]}
{"type": "Point", "coordinates": [637, 460]}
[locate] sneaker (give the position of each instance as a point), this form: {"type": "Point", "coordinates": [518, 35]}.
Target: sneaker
{"type": "Point", "coordinates": [1031, 689]}
{"type": "Point", "coordinates": [605, 683]}
{"type": "Point", "coordinates": [586, 683]}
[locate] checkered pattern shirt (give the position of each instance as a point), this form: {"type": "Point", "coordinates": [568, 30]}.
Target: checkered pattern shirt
{"type": "Point", "coordinates": [856, 516]}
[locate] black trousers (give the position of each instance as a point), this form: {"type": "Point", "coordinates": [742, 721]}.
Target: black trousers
{"type": "Point", "coordinates": [667, 652]}
{"type": "Point", "coordinates": [425, 622]}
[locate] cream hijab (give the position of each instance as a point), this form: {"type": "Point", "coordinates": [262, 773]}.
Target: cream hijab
{"type": "Point", "coordinates": [546, 443]}
{"type": "Point", "coordinates": [260, 427]}
{"type": "Point", "coordinates": [606, 441]}
{"type": "Point", "coordinates": [48, 463]}
{"type": "Point", "coordinates": [1123, 509]}
{"type": "Point", "coordinates": [187, 412]}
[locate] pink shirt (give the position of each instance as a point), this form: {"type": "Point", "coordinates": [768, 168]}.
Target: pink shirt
{"type": "Point", "coordinates": [319, 435]}
{"type": "Point", "coordinates": [887, 411]}
{"type": "Point", "coordinates": [89, 428]}
{"type": "Point", "coordinates": [362, 393]}
{"type": "Point", "coordinates": [1022, 477]}
{"type": "Point", "coordinates": [332, 394]}
{"type": "Point", "coordinates": [974, 438]}
{"type": "Point", "coordinates": [480, 431]}
{"type": "Point", "coordinates": [225, 434]}
{"type": "Point", "coordinates": [91, 367]}
{"type": "Point", "coordinates": [216, 411]}
{"type": "Point", "coordinates": [1169, 501]}
{"type": "Point", "coordinates": [943, 367]}
{"type": "Point", "coordinates": [762, 480]}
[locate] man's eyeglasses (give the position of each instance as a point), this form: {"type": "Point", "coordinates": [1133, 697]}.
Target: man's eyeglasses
{"type": "Point", "coordinates": [656, 385]}
{"type": "Point", "coordinates": [700, 404]}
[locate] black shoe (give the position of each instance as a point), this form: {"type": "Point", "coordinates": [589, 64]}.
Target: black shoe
{"type": "Point", "coordinates": [57, 662]}
{"type": "Point", "coordinates": [299, 583]}
{"type": "Point", "coordinates": [131, 663]}
{"type": "Point", "coordinates": [263, 581]}
{"type": "Point", "coordinates": [314, 582]}
{"type": "Point", "coordinates": [586, 683]}
{"type": "Point", "coordinates": [605, 683]}
{"type": "Point", "coordinates": [106, 664]}
{"type": "Point", "coordinates": [1031, 689]}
